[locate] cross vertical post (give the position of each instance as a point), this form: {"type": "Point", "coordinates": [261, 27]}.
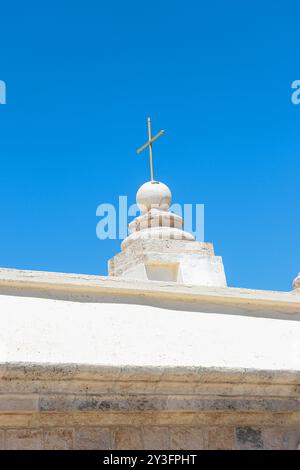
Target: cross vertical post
{"type": "Point", "coordinates": [150, 149]}
{"type": "Point", "coordinates": [149, 144]}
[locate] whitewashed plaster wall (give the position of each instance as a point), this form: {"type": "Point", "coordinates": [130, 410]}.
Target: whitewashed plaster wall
{"type": "Point", "coordinates": [44, 330]}
{"type": "Point", "coordinates": [124, 327]}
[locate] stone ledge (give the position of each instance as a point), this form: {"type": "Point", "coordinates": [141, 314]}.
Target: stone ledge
{"type": "Point", "coordinates": [25, 387]}
{"type": "Point", "coordinates": [163, 388]}
{"type": "Point", "coordinates": [44, 371]}
{"type": "Point", "coordinates": [137, 403]}
{"type": "Point", "coordinates": [103, 373]}
{"type": "Point", "coordinates": [90, 288]}
{"type": "Point", "coordinates": [151, 418]}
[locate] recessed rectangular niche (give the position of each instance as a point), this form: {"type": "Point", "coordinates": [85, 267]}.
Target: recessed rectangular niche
{"type": "Point", "coordinates": [163, 272]}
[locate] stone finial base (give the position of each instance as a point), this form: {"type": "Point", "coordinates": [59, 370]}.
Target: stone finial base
{"type": "Point", "coordinates": [179, 261]}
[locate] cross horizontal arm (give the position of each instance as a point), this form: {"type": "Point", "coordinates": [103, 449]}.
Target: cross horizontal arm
{"type": "Point", "coordinates": [150, 141]}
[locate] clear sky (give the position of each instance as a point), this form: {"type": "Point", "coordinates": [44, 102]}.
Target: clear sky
{"type": "Point", "coordinates": [81, 79]}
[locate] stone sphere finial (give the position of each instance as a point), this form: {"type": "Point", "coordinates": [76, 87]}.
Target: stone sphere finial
{"type": "Point", "coordinates": [296, 282]}
{"type": "Point", "coordinates": [153, 195]}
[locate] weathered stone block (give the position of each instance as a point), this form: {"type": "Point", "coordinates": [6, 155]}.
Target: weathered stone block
{"type": "Point", "coordinates": [219, 438]}
{"type": "Point", "coordinates": [156, 437]}
{"type": "Point", "coordinates": [185, 438]}
{"type": "Point", "coordinates": [18, 403]}
{"type": "Point", "coordinates": [24, 439]}
{"type": "Point", "coordinates": [2, 440]}
{"type": "Point", "coordinates": [92, 438]}
{"type": "Point", "coordinates": [273, 439]}
{"type": "Point", "coordinates": [58, 439]}
{"type": "Point", "coordinates": [101, 403]}
{"type": "Point", "coordinates": [248, 438]}
{"type": "Point", "coordinates": [291, 439]}
{"type": "Point", "coordinates": [127, 437]}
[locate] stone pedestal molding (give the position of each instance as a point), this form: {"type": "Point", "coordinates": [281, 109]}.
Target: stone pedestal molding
{"type": "Point", "coordinates": [83, 407]}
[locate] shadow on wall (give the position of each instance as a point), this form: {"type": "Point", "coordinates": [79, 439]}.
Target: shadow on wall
{"type": "Point", "coordinates": [164, 301]}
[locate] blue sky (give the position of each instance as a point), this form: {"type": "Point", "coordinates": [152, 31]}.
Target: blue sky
{"type": "Point", "coordinates": [82, 77]}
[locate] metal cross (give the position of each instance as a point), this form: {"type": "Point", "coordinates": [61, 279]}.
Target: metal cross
{"type": "Point", "coordinates": [149, 144]}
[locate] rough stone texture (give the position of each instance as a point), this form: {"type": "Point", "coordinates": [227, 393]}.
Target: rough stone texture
{"type": "Point", "coordinates": [156, 437]}
{"type": "Point", "coordinates": [105, 407]}
{"type": "Point", "coordinates": [152, 437]}
{"type": "Point", "coordinates": [274, 439]}
{"type": "Point", "coordinates": [24, 439]}
{"type": "Point", "coordinates": [127, 437]}
{"type": "Point", "coordinates": [58, 439]}
{"type": "Point", "coordinates": [92, 438]}
{"type": "Point", "coordinates": [2, 441]}
{"type": "Point", "coordinates": [291, 438]}
{"type": "Point", "coordinates": [249, 438]}
{"type": "Point", "coordinates": [219, 438]}
{"type": "Point", "coordinates": [18, 403]}
{"type": "Point", "coordinates": [185, 438]}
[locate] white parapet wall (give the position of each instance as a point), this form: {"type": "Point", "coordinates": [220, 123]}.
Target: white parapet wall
{"type": "Point", "coordinates": [92, 361]}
